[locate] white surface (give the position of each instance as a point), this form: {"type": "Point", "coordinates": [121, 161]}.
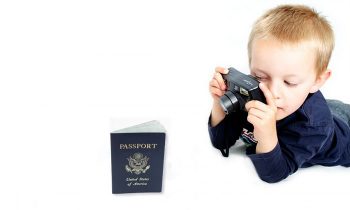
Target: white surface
{"type": "Point", "coordinates": [68, 67]}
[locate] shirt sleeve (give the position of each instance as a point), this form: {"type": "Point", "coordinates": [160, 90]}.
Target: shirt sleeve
{"type": "Point", "coordinates": [226, 133]}
{"type": "Point", "coordinates": [293, 150]}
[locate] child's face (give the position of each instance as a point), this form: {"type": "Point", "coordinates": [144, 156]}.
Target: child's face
{"type": "Point", "coordinates": [287, 70]}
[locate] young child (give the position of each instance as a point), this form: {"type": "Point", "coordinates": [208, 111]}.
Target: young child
{"type": "Point", "coordinates": [289, 50]}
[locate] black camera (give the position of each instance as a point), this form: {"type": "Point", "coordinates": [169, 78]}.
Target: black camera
{"type": "Point", "coordinates": [241, 88]}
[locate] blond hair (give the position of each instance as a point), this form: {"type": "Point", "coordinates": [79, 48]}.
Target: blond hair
{"type": "Point", "coordinates": [295, 24]}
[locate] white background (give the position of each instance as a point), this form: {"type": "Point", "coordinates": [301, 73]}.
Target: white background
{"type": "Point", "coordinates": [69, 68]}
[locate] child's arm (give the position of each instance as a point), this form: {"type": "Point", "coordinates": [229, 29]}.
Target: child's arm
{"type": "Point", "coordinates": [274, 159]}
{"type": "Point", "coordinates": [263, 118]}
{"type": "Point", "coordinates": [217, 88]}
{"type": "Point", "coordinates": [224, 129]}
{"type": "Point", "coordinates": [226, 133]}
{"type": "Point", "coordinates": [293, 152]}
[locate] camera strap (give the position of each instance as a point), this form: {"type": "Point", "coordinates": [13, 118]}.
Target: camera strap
{"type": "Point", "coordinates": [224, 152]}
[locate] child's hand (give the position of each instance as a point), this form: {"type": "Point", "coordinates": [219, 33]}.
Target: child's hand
{"type": "Point", "coordinates": [217, 86]}
{"type": "Point", "coordinates": [263, 118]}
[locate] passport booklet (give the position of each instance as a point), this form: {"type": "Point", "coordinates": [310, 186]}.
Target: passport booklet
{"type": "Point", "coordinates": [137, 158]}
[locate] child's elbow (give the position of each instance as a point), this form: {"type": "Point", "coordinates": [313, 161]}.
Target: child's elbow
{"type": "Point", "coordinates": [273, 179]}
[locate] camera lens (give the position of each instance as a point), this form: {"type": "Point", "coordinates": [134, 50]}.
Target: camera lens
{"type": "Point", "coordinates": [229, 102]}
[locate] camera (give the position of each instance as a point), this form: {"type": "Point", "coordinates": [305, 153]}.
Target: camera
{"type": "Point", "coordinates": [241, 88]}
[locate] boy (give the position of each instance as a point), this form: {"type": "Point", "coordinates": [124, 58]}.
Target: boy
{"type": "Point", "coordinates": [289, 50]}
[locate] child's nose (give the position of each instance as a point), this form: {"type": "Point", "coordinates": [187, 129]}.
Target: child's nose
{"type": "Point", "coordinates": [275, 90]}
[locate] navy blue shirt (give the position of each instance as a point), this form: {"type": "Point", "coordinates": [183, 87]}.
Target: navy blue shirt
{"type": "Point", "coordinates": [309, 136]}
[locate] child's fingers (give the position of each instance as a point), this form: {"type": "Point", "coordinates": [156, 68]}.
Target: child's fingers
{"type": "Point", "coordinates": [268, 95]}
{"type": "Point", "coordinates": [253, 119]}
{"type": "Point", "coordinates": [216, 91]}
{"type": "Point", "coordinates": [217, 85]}
{"type": "Point", "coordinates": [257, 105]}
{"type": "Point", "coordinates": [214, 83]}
{"type": "Point", "coordinates": [221, 70]}
{"type": "Point", "coordinates": [257, 113]}
{"type": "Point", "coordinates": [220, 80]}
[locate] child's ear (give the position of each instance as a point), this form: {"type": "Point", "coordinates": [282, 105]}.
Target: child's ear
{"type": "Point", "coordinates": [321, 80]}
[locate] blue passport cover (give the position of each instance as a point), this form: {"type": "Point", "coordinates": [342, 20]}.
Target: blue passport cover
{"type": "Point", "coordinates": [137, 161]}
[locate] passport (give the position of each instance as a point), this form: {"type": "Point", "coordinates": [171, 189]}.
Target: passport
{"type": "Point", "coordinates": [137, 158]}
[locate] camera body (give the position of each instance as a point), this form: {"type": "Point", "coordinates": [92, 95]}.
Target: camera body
{"type": "Point", "coordinates": [241, 88]}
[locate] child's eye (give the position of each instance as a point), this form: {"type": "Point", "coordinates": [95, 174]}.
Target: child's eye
{"type": "Point", "coordinates": [290, 84]}
{"type": "Point", "coordinates": [260, 78]}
